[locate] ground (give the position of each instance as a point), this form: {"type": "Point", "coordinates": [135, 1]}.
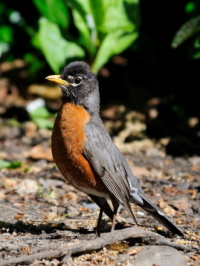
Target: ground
{"type": "Point", "coordinates": [40, 212]}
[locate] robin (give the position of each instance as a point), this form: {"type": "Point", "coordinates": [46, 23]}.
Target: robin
{"type": "Point", "coordinates": [86, 155]}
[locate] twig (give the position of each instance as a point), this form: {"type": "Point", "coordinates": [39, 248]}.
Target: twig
{"type": "Point", "coordinates": [106, 239]}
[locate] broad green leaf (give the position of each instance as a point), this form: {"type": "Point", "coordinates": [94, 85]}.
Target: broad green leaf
{"type": "Point", "coordinates": [14, 165]}
{"type": "Point", "coordinates": [187, 30]}
{"type": "Point", "coordinates": [13, 122]}
{"type": "Point", "coordinates": [190, 7]}
{"type": "Point", "coordinates": [195, 50]}
{"type": "Point", "coordinates": [44, 123]}
{"type": "Point", "coordinates": [113, 44]}
{"type": "Point", "coordinates": [81, 24]}
{"type": "Point", "coordinates": [9, 165]}
{"type": "Point", "coordinates": [197, 43]}
{"type": "Point", "coordinates": [54, 10]}
{"type": "Point", "coordinates": [84, 21]}
{"type": "Point", "coordinates": [115, 17]}
{"type": "Point", "coordinates": [40, 112]}
{"type": "Point", "coordinates": [4, 47]}
{"type": "Point", "coordinates": [6, 34]}
{"type": "Point", "coordinates": [132, 9]}
{"type": "Point", "coordinates": [54, 47]}
{"type": "Point", "coordinates": [4, 164]}
{"type": "Point", "coordinates": [2, 8]}
{"type": "Point", "coordinates": [98, 11]}
{"type": "Point", "coordinates": [196, 55]}
{"type": "Point", "coordinates": [82, 6]}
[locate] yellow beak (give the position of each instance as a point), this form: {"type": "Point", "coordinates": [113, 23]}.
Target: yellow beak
{"type": "Point", "coordinates": [58, 79]}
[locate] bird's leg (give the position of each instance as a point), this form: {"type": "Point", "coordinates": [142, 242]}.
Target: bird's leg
{"type": "Point", "coordinates": [99, 220]}
{"type": "Point", "coordinates": [116, 206]}
{"type": "Point", "coordinates": [134, 217]}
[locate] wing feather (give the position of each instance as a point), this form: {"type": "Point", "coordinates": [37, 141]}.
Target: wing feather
{"type": "Point", "coordinates": [106, 160]}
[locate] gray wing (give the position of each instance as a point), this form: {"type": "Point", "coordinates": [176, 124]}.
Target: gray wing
{"type": "Point", "coordinates": [109, 163]}
{"type": "Point", "coordinates": [111, 166]}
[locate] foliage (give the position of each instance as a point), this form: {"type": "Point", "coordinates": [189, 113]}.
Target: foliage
{"type": "Point", "coordinates": [90, 30]}
{"type": "Point", "coordinates": [190, 30]}
{"type": "Point", "coordinates": [42, 118]}
{"type": "Point", "coordinates": [9, 165]}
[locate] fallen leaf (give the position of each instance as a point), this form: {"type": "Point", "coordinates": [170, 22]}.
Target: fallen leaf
{"type": "Point", "coordinates": [195, 257]}
{"type": "Point", "coordinates": [9, 182]}
{"type": "Point", "coordinates": [181, 204]}
{"type": "Point", "coordinates": [26, 249]}
{"type": "Point", "coordinates": [72, 196]}
{"type": "Point", "coordinates": [140, 171]}
{"type": "Point", "coordinates": [27, 186]}
{"type": "Point", "coordinates": [38, 153]}
{"type": "Point", "coordinates": [119, 247]}
{"type": "Point", "coordinates": [163, 204]}
{"type": "Point", "coordinates": [84, 209]}
{"type": "Point", "coordinates": [50, 216]}
{"type": "Point", "coordinates": [19, 216]}
{"type": "Point", "coordinates": [135, 251]}
{"type": "Point", "coordinates": [169, 211]}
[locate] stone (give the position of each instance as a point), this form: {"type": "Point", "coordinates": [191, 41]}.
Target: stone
{"type": "Point", "coordinates": [159, 255]}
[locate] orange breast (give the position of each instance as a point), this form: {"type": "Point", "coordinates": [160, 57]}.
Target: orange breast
{"type": "Point", "coordinates": [68, 140]}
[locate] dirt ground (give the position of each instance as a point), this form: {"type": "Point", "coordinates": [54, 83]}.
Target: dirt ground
{"type": "Point", "coordinates": [40, 212]}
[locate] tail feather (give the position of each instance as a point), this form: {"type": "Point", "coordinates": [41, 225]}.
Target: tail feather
{"type": "Point", "coordinates": [160, 216]}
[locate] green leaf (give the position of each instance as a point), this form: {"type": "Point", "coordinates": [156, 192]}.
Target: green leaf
{"type": "Point", "coordinates": [44, 123]}
{"type": "Point", "coordinates": [187, 30]}
{"type": "Point", "coordinates": [196, 55]}
{"type": "Point", "coordinates": [84, 21]}
{"type": "Point", "coordinates": [197, 43]}
{"type": "Point", "coordinates": [40, 112]}
{"type": "Point", "coordinates": [81, 24]}
{"type": "Point", "coordinates": [14, 165]}
{"type": "Point", "coordinates": [98, 11]}
{"type": "Point", "coordinates": [115, 17]}
{"type": "Point", "coordinates": [6, 34]}
{"type": "Point", "coordinates": [114, 43]}
{"type": "Point", "coordinates": [4, 164]}
{"type": "Point", "coordinates": [9, 165]}
{"type": "Point", "coordinates": [4, 47]}
{"type": "Point", "coordinates": [54, 47]}
{"type": "Point", "coordinates": [132, 9]}
{"type": "Point", "coordinates": [190, 6]}
{"type": "Point", "coordinates": [13, 122]}
{"type": "Point", "coordinates": [82, 6]}
{"type": "Point", "coordinates": [54, 10]}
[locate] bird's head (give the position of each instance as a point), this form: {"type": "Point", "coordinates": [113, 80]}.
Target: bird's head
{"type": "Point", "coordinates": [79, 86]}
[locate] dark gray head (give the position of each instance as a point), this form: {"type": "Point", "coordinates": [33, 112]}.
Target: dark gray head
{"type": "Point", "coordinates": [79, 86]}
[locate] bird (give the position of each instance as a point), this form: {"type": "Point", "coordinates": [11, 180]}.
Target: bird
{"type": "Point", "coordinates": [86, 155]}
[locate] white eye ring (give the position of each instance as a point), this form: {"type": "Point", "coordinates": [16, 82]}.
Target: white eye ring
{"type": "Point", "coordinates": [77, 81]}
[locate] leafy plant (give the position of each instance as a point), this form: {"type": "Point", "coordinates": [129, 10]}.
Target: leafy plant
{"type": "Point", "coordinates": [90, 30]}
{"type": "Point", "coordinates": [105, 28]}
{"type": "Point", "coordinates": [42, 117]}
{"type": "Point", "coordinates": [9, 165]}
{"type": "Point", "coordinates": [190, 30]}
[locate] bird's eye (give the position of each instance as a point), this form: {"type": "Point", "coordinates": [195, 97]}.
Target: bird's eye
{"type": "Point", "coordinates": [78, 80]}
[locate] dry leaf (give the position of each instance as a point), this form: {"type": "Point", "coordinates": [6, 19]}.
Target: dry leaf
{"type": "Point", "coordinates": [27, 186]}
{"type": "Point", "coordinates": [9, 182]}
{"type": "Point", "coordinates": [72, 196]}
{"type": "Point", "coordinates": [38, 153]}
{"type": "Point", "coordinates": [19, 216]}
{"type": "Point", "coordinates": [135, 251]}
{"type": "Point", "coordinates": [169, 211]}
{"type": "Point", "coordinates": [163, 204]}
{"type": "Point", "coordinates": [119, 247]}
{"type": "Point", "coordinates": [181, 204]}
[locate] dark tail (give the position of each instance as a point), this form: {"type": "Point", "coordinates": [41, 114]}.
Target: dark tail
{"type": "Point", "coordinates": [160, 216]}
